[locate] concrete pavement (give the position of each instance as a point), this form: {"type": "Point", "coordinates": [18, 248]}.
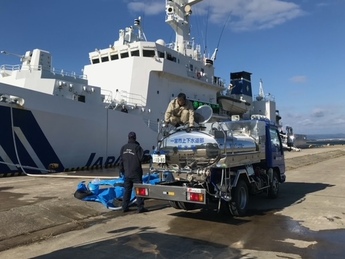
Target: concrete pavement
{"type": "Point", "coordinates": [42, 213]}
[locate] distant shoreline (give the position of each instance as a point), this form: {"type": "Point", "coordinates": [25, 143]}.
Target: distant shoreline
{"type": "Point", "coordinates": [325, 142]}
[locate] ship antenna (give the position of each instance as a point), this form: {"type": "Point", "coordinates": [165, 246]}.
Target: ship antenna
{"type": "Point", "coordinates": [137, 24]}
{"type": "Point", "coordinates": [208, 12]}
{"type": "Point", "coordinates": [214, 55]}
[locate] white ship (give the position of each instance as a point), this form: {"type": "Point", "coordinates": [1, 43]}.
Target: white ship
{"type": "Point", "coordinates": [53, 120]}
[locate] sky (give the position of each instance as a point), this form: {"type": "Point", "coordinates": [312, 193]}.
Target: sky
{"type": "Point", "coordinates": [296, 47]}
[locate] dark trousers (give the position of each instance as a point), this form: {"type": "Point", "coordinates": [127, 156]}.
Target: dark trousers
{"type": "Point", "coordinates": [128, 184]}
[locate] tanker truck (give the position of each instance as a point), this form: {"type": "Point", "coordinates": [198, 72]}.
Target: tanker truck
{"type": "Point", "coordinates": [217, 165]}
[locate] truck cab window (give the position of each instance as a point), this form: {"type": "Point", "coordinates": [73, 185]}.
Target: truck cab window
{"type": "Point", "coordinates": [275, 140]}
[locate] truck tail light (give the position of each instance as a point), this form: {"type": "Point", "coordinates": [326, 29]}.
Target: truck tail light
{"type": "Point", "coordinates": [192, 196]}
{"type": "Point", "coordinates": [141, 191]}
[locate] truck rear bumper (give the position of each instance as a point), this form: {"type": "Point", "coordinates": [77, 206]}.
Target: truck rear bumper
{"type": "Point", "coordinates": [171, 193]}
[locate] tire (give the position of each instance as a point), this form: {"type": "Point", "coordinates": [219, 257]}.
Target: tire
{"type": "Point", "coordinates": [273, 190]}
{"type": "Point", "coordinates": [240, 197]}
{"type": "Point", "coordinates": [175, 205]}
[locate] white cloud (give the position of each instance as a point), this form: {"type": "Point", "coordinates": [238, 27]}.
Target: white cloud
{"type": "Point", "coordinates": [240, 14]}
{"type": "Point", "coordinates": [148, 7]}
{"type": "Point", "coordinates": [299, 79]}
{"type": "Point", "coordinates": [249, 15]}
{"type": "Point", "coordinates": [322, 4]}
{"type": "Point", "coordinates": [318, 113]}
{"type": "Point", "coordinates": [320, 120]}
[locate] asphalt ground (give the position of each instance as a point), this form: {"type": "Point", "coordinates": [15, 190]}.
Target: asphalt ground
{"type": "Point", "coordinates": [40, 218]}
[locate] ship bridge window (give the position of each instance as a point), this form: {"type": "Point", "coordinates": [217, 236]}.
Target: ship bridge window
{"type": "Point", "coordinates": [105, 59]}
{"type": "Point", "coordinates": [114, 56]}
{"type": "Point", "coordinates": [95, 60]}
{"type": "Point", "coordinates": [135, 53]}
{"type": "Point", "coordinates": [191, 68]}
{"type": "Point", "coordinates": [160, 54]}
{"type": "Point", "coordinates": [124, 55]}
{"type": "Point", "coordinates": [148, 53]}
{"type": "Point", "coordinates": [171, 58]}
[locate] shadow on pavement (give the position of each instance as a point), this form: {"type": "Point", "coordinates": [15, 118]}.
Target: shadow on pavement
{"type": "Point", "coordinates": [146, 244]}
{"type": "Point", "coordinates": [290, 193]}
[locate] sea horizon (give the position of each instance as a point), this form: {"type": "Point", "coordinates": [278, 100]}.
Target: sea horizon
{"type": "Point", "coordinates": [334, 136]}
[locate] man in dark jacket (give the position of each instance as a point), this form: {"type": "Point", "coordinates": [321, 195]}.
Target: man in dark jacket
{"type": "Point", "coordinates": [131, 157]}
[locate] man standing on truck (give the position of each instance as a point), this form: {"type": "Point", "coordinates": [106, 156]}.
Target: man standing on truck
{"type": "Point", "coordinates": [180, 111]}
{"type": "Point", "coordinates": [130, 164]}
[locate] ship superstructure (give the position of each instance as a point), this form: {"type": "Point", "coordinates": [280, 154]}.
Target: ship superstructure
{"type": "Point", "coordinates": [54, 119]}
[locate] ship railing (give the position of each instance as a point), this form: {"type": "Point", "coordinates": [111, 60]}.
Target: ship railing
{"type": "Point", "coordinates": [131, 99]}
{"type": "Point", "coordinates": [63, 72]}
{"type": "Point", "coordinates": [10, 67]}
{"type": "Point", "coordinates": [21, 67]}
{"type": "Point", "coordinates": [108, 96]}
{"type": "Point", "coordinates": [40, 68]}
{"type": "Point", "coordinates": [267, 97]}
{"type": "Point", "coordinates": [198, 75]}
{"type": "Point", "coordinates": [123, 99]}
{"type": "Point", "coordinates": [192, 50]}
{"type": "Point", "coordinates": [218, 81]}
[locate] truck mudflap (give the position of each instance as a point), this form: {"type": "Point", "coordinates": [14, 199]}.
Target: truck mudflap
{"type": "Point", "coordinates": [171, 193]}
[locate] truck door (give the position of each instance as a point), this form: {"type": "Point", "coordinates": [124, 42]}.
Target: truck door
{"type": "Point", "coordinates": [275, 155]}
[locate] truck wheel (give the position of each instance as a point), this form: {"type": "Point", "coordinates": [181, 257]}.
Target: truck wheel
{"type": "Point", "coordinates": [240, 196]}
{"type": "Point", "coordinates": [175, 205]}
{"type": "Point", "coordinates": [274, 187]}
{"type": "Point", "coordinates": [186, 205]}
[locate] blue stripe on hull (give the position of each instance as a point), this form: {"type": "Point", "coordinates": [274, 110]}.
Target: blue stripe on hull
{"type": "Point", "coordinates": [33, 134]}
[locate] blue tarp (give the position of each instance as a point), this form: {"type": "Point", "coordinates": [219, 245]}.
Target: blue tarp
{"type": "Point", "coordinates": [108, 191]}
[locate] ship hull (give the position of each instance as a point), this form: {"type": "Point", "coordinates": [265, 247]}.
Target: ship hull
{"type": "Point", "coordinates": [72, 135]}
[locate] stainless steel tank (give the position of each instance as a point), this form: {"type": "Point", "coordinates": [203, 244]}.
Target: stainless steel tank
{"type": "Point", "coordinates": [235, 142]}
{"type": "Point", "coordinates": [190, 148]}
{"type": "Point", "coordinates": [200, 149]}
{"type": "Point", "coordinates": [213, 141]}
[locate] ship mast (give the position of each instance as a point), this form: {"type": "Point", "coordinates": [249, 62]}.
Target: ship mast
{"type": "Point", "coordinates": [178, 15]}
{"type": "Point", "coordinates": [261, 95]}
